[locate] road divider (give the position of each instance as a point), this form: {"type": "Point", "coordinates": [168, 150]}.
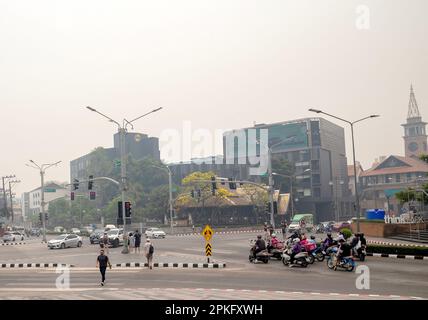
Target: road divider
{"type": "Point", "coordinates": [172, 265]}
{"type": "Point", "coordinates": [397, 244]}
{"type": "Point", "coordinates": [13, 243]}
{"type": "Point", "coordinates": [225, 232]}
{"type": "Point", "coordinates": [34, 265]}
{"type": "Point", "coordinates": [397, 256]}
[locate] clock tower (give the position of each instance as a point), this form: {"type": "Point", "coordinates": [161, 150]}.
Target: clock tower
{"type": "Point", "coordinates": [415, 137]}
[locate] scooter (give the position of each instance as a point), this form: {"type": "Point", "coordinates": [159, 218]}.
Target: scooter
{"type": "Point", "coordinates": [262, 256]}
{"type": "Point", "coordinates": [347, 263]}
{"type": "Point", "coordinates": [318, 254]}
{"type": "Point", "coordinates": [360, 253]}
{"type": "Point", "coordinates": [299, 259]}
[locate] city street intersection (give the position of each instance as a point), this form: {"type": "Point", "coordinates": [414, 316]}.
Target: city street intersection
{"type": "Point", "coordinates": [390, 278]}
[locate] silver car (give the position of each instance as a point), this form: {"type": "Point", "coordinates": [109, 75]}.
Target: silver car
{"type": "Point", "coordinates": [65, 241]}
{"type": "Point", "coordinates": [13, 236]}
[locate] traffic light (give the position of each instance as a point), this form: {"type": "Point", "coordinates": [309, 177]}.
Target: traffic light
{"type": "Point", "coordinates": [72, 196]}
{"type": "Point", "coordinates": [128, 209]}
{"type": "Point", "coordinates": [91, 182]}
{"type": "Point", "coordinates": [46, 216]}
{"type": "Point", "coordinates": [267, 207]}
{"type": "Point", "coordinates": [75, 184]}
{"type": "Point", "coordinates": [213, 185]}
{"type": "Point", "coordinates": [199, 193]}
{"type": "Point", "coordinates": [232, 185]}
{"type": "Point", "coordinates": [119, 213]}
{"type": "Point", "coordinates": [192, 193]}
{"type": "Point", "coordinates": [40, 218]}
{"type": "Point", "coordinates": [92, 195]}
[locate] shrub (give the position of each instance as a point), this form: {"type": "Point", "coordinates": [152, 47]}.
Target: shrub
{"type": "Point", "coordinates": [347, 233]}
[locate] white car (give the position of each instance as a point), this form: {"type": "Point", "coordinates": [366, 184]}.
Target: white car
{"type": "Point", "coordinates": [13, 236]}
{"type": "Point", "coordinates": [65, 241]}
{"type": "Point", "coordinates": [115, 237]}
{"type": "Point", "coordinates": [155, 233]}
{"type": "Point", "coordinates": [75, 230]}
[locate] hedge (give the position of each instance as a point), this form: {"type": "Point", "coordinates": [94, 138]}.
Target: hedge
{"type": "Point", "coordinates": [408, 251]}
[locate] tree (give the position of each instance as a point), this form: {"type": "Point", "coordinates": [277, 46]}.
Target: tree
{"type": "Point", "coordinates": [424, 157]}
{"type": "Point", "coordinates": [411, 194]}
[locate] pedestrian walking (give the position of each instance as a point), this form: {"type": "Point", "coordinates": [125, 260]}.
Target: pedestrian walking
{"type": "Point", "coordinates": [137, 241]}
{"type": "Point", "coordinates": [131, 241]}
{"type": "Point", "coordinates": [104, 242]}
{"type": "Point", "coordinates": [148, 251]}
{"type": "Point", "coordinates": [102, 263]}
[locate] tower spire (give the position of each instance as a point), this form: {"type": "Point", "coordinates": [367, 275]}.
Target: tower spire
{"type": "Point", "coordinates": [413, 105]}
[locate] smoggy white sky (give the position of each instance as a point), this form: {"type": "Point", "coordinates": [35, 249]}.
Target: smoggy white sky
{"type": "Point", "coordinates": [219, 64]}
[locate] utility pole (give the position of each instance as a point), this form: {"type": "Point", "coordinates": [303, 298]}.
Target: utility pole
{"type": "Point", "coordinates": [6, 213]}
{"type": "Point", "coordinates": [11, 198]}
{"type": "Point", "coordinates": [42, 169]}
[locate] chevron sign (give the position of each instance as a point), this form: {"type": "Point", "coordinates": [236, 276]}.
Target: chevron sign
{"type": "Point", "coordinates": [208, 250]}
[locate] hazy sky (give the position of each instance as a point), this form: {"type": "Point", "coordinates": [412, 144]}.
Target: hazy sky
{"type": "Point", "coordinates": [218, 64]}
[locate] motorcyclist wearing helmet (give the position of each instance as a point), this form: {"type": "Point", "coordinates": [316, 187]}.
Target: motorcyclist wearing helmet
{"type": "Point", "coordinates": [274, 242]}
{"type": "Point", "coordinates": [311, 244]}
{"type": "Point", "coordinates": [328, 242]}
{"type": "Point", "coordinates": [343, 251]}
{"type": "Point", "coordinates": [259, 246]}
{"type": "Point", "coordinates": [296, 248]}
{"type": "Point", "coordinates": [355, 240]}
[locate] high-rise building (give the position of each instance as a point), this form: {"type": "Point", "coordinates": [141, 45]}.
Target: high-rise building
{"type": "Point", "coordinates": [415, 136]}
{"type": "Point", "coordinates": [315, 148]}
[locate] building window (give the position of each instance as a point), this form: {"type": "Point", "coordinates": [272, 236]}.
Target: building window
{"type": "Point", "coordinates": [398, 177]}
{"type": "Point", "coordinates": [315, 165]}
{"type": "Point", "coordinates": [409, 177]}
{"type": "Point", "coordinates": [316, 179]}
{"type": "Point", "coordinates": [317, 192]}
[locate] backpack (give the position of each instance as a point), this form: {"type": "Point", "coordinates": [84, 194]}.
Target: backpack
{"type": "Point", "coordinates": [151, 249]}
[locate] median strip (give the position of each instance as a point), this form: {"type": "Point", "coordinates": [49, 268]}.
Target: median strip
{"type": "Point", "coordinates": [34, 265]}
{"type": "Point", "coordinates": [397, 256]}
{"type": "Point", "coordinates": [13, 243]}
{"type": "Point", "coordinates": [172, 265]}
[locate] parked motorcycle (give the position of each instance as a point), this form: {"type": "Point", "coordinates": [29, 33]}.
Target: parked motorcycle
{"type": "Point", "coordinates": [299, 259]}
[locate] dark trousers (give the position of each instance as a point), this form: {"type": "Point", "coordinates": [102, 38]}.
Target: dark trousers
{"type": "Point", "coordinates": [103, 273]}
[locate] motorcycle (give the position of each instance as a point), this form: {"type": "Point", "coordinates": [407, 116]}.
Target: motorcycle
{"type": "Point", "coordinates": [318, 254]}
{"type": "Point", "coordinates": [347, 263]}
{"type": "Point", "coordinates": [360, 253]}
{"type": "Point", "coordinates": [262, 256]}
{"type": "Point", "coordinates": [299, 259]}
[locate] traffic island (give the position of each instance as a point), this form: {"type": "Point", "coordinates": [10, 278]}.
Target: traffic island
{"type": "Point", "coordinates": [13, 243]}
{"type": "Point", "coordinates": [172, 265]}
{"type": "Point", "coordinates": [34, 265]}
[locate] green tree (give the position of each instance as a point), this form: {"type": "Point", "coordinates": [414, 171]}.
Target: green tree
{"type": "Point", "coordinates": [424, 157]}
{"type": "Point", "coordinates": [411, 194]}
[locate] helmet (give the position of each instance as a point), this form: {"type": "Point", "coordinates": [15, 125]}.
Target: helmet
{"type": "Point", "coordinates": [313, 237]}
{"type": "Point", "coordinates": [329, 234]}
{"type": "Point", "coordinates": [273, 235]}
{"type": "Point", "coordinates": [259, 237]}
{"type": "Point", "coordinates": [297, 240]}
{"type": "Point", "coordinates": [340, 238]}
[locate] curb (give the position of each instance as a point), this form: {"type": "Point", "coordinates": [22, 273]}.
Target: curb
{"type": "Point", "coordinates": [34, 265]}
{"type": "Point", "coordinates": [223, 232]}
{"type": "Point", "coordinates": [172, 265]}
{"type": "Point", "coordinates": [13, 243]}
{"type": "Point", "coordinates": [396, 244]}
{"type": "Point", "coordinates": [397, 256]}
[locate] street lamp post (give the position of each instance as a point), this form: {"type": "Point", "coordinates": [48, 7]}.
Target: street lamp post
{"type": "Point", "coordinates": [122, 129]}
{"type": "Point", "coordinates": [351, 123]}
{"type": "Point", "coordinates": [42, 169]}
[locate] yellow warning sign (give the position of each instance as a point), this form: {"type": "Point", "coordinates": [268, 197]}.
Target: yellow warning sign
{"type": "Point", "coordinates": [208, 233]}
{"type": "Point", "coordinates": [208, 250]}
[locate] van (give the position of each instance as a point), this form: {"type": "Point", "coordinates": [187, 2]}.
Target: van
{"type": "Point", "coordinates": [302, 220]}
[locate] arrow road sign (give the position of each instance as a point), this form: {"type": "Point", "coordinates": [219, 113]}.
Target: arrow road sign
{"type": "Point", "coordinates": [208, 250]}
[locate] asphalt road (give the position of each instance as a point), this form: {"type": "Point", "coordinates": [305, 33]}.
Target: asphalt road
{"type": "Point", "coordinates": [389, 278]}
